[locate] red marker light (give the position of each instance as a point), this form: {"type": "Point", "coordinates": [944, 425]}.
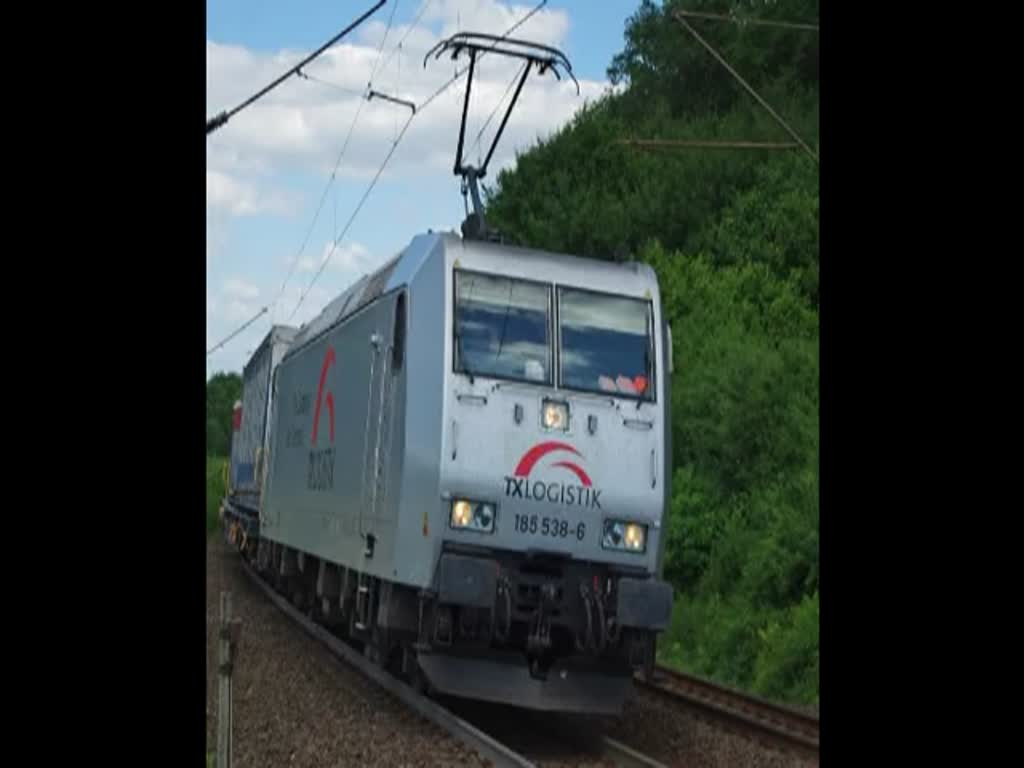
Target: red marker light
{"type": "Point", "coordinates": [640, 382]}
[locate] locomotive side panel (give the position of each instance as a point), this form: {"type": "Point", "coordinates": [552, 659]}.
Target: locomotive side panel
{"type": "Point", "coordinates": [251, 440]}
{"type": "Point", "coordinates": [328, 495]}
{"type": "Point", "coordinates": [250, 436]}
{"type": "Point", "coordinates": [422, 520]}
{"type": "Point", "coordinates": [279, 347]}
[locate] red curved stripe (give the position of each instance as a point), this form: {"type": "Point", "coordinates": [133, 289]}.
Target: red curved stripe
{"type": "Point", "coordinates": [328, 362]}
{"type": "Point", "coordinates": [536, 453]}
{"type": "Point", "coordinates": [583, 476]}
{"type": "Point", "coordinates": [330, 410]}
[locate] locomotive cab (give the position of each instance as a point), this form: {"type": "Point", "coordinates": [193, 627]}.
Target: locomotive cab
{"type": "Point", "coordinates": [553, 480]}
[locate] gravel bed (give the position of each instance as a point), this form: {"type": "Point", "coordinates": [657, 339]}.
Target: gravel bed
{"type": "Point", "coordinates": [649, 725]}
{"type": "Point", "coordinates": [295, 704]}
{"type": "Point", "coordinates": [676, 737]}
{"type": "Point", "coordinates": [548, 740]}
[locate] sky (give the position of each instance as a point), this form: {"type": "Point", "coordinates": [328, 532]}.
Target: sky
{"type": "Point", "coordinates": [275, 205]}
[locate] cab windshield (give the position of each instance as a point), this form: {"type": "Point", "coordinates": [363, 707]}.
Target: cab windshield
{"type": "Point", "coordinates": [502, 327]}
{"type": "Point", "coordinates": [605, 343]}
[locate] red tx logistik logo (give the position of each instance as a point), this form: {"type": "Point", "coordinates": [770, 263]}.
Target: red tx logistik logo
{"type": "Point", "coordinates": [320, 474]}
{"type": "Point", "coordinates": [518, 485]}
{"type": "Point", "coordinates": [326, 366]}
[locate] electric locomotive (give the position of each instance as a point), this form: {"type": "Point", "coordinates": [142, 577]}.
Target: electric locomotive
{"type": "Point", "coordinates": [468, 467]}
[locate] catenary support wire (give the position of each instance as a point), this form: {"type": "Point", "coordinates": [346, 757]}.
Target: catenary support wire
{"type": "Point", "coordinates": [749, 89]}
{"type": "Point", "coordinates": [216, 122]}
{"type": "Point", "coordinates": [237, 331]}
{"type": "Point", "coordinates": [705, 144]}
{"type": "Point", "coordinates": [337, 164]}
{"type": "Point", "coordinates": [419, 110]}
{"type": "Point", "coordinates": [742, 20]}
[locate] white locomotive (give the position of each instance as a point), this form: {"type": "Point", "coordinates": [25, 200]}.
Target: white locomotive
{"type": "Point", "coordinates": [468, 470]}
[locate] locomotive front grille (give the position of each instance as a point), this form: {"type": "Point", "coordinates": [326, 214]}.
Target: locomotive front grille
{"type": "Point", "coordinates": [528, 599]}
{"type": "Point", "coordinates": [529, 584]}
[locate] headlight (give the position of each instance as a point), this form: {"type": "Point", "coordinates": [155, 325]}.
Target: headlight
{"type": "Point", "coordinates": [630, 537]}
{"type": "Point", "coordinates": [472, 516]}
{"type": "Point", "coordinates": [556, 415]}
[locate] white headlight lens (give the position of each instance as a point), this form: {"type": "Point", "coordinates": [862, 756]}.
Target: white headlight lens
{"type": "Point", "coordinates": [629, 537]}
{"type": "Point", "coordinates": [462, 514]}
{"type": "Point", "coordinates": [556, 415]}
{"type": "Point", "coordinates": [636, 537]}
{"type": "Point", "coordinates": [473, 516]}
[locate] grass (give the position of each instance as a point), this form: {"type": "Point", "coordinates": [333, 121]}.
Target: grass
{"type": "Point", "coordinates": [214, 490]}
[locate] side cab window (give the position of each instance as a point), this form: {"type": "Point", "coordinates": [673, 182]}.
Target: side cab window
{"type": "Point", "coordinates": [398, 347]}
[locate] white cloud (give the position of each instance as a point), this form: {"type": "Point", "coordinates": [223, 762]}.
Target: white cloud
{"type": "Point", "coordinates": [351, 257]}
{"type": "Point", "coordinates": [303, 123]}
{"type": "Point", "coordinates": [240, 198]}
{"type": "Point", "coordinates": [317, 297]}
{"type": "Point", "coordinates": [237, 311]}
{"type": "Point", "coordinates": [548, 26]}
{"type": "Point", "coordinates": [299, 129]}
{"type": "Point", "coordinates": [240, 289]}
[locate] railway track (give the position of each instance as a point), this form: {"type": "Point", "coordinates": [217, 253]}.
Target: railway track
{"type": "Point", "coordinates": [775, 725]}
{"type": "Point", "coordinates": [602, 748]}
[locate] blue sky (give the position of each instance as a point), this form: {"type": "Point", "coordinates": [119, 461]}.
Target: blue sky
{"type": "Point", "coordinates": [267, 169]}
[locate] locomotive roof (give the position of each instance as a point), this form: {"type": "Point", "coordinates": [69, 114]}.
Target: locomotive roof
{"type": "Point", "coordinates": [626, 278]}
{"type": "Point", "coordinates": [277, 333]}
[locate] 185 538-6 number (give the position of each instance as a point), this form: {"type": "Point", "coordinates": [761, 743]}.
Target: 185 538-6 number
{"type": "Point", "coordinates": [549, 526]}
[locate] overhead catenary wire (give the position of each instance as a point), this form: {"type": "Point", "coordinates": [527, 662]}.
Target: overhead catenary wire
{"type": "Point", "coordinates": [747, 86]}
{"type": "Point", "coordinates": [747, 20]}
{"type": "Point", "coordinates": [706, 144]}
{"type": "Point", "coordinates": [411, 27]}
{"type": "Point", "coordinates": [216, 122]}
{"type": "Point", "coordinates": [237, 331]}
{"type": "Point", "coordinates": [316, 216]}
{"type": "Point", "coordinates": [460, 72]}
{"type": "Point", "coordinates": [387, 31]}
{"type": "Point", "coordinates": [337, 164]}
{"type": "Point", "coordinates": [419, 110]}
{"type": "Point", "coordinates": [355, 212]}
{"type": "Point", "coordinates": [329, 84]}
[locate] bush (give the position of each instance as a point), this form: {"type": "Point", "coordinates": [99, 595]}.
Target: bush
{"type": "Point", "coordinates": [742, 548]}
{"type": "Point", "coordinates": [215, 489]}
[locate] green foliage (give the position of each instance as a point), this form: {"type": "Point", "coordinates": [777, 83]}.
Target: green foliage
{"type": "Point", "coordinates": [775, 222]}
{"type": "Point", "coordinates": [223, 390]}
{"type": "Point", "coordinates": [665, 64]}
{"type": "Point", "coordinates": [742, 550]}
{"type": "Point", "coordinates": [582, 191]}
{"type": "Point", "coordinates": [788, 661]}
{"type": "Point", "coordinates": [733, 237]}
{"type": "Point", "coordinates": [215, 489]}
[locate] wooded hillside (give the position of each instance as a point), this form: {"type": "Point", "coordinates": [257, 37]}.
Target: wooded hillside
{"type": "Point", "coordinates": [733, 235]}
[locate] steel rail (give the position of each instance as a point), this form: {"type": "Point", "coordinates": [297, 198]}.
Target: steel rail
{"type": "Point", "coordinates": [468, 734]}
{"type": "Point", "coordinates": [776, 725]}
{"type": "Point", "coordinates": [481, 743]}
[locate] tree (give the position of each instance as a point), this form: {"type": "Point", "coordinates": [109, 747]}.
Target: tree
{"type": "Point", "coordinates": [223, 390]}
{"type": "Point", "coordinates": [733, 238]}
